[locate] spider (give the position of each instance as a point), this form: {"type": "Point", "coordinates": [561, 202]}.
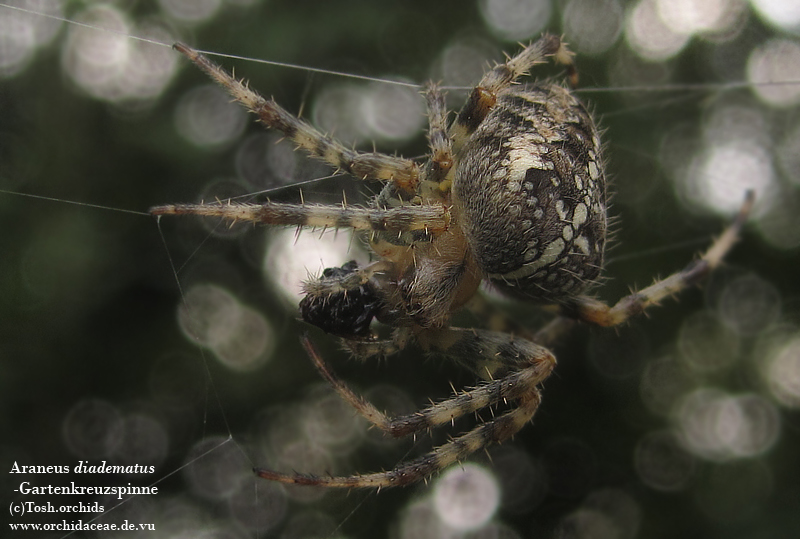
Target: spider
{"type": "Point", "coordinates": [513, 194]}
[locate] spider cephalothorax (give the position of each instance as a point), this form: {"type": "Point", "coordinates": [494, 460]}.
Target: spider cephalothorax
{"type": "Point", "coordinates": [513, 194]}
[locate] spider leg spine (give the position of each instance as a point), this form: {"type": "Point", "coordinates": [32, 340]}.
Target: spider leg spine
{"type": "Point", "coordinates": [433, 218]}
{"type": "Point", "coordinates": [538, 361]}
{"type": "Point", "coordinates": [484, 95]}
{"type": "Point", "coordinates": [457, 449]}
{"type": "Point", "coordinates": [596, 312]}
{"type": "Point", "coordinates": [371, 166]}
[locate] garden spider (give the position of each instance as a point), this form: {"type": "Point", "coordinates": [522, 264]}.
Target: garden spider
{"type": "Point", "coordinates": [513, 194]}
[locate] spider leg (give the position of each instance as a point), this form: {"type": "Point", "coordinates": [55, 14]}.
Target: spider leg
{"type": "Point", "coordinates": [497, 320]}
{"type": "Point", "coordinates": [438, 139]}
{"type": "Point", "coordinates": [355, 277]}
{"type": "Point", "coordinates": [366, 349]}
{"type": "Point", "coordinates": [553, 331]}
{"type": "Point", "coordinates": [495, 431]}
{"type": "Point", "coordinates": [484, 95]}
{"type": "Point", "coordinates": [520, 385]}
{"type": "Point", "coordinates": [428, 218]}
{"type": "Point", "coordinates": [596, 312]}
{"type": "Point", "coordinates": [368, 166]}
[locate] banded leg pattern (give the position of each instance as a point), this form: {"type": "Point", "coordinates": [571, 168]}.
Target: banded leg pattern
{"type": "Point", "coordinates": [484, 95]}
{"type": "Point", "coordinates": [598, 313]}
{"type": "Point", "coordinates": [520, 386]}
{"type": "Point", "coordinates": [438, 139]}
{"type": "Point", "coordinates": [366, 166]}
{"type": "Point", "coordinates": [432, 218]}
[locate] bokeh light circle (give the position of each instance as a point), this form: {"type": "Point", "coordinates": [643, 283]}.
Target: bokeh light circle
{"type": "Point", "coordinates": [466, 497]}
{"type": "Point", "coordinates": [770, 66]}
{"type": "Point", "coordinates": [592, 26]}
{"type": "Point", "coordinates": [516, 19]}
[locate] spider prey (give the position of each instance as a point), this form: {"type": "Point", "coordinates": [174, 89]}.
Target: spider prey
{"type": "Point", "coordinates": [513, 193]}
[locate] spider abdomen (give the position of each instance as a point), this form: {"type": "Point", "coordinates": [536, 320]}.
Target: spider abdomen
{"type": "Point", "coordinates": [531, 194]}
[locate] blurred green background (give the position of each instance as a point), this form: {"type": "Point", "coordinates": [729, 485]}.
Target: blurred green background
{"type": "Point", "coordinates": [682, 423]}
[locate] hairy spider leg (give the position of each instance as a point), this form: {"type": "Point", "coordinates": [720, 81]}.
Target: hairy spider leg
{"type": "Point", "coordinates": [431, 218]}
{"type": "Point", "coordinates": [379, 348]}
{"type": "Point", "coordinates": [367, 166]}
{"type": "Point", "coordinates": [439, 140]}
{"type": "Point", "coordinates": [596, 312]}
{"type": "Point", "coordinates": [497, 320]}
{"type": "Point", "coordinates": [484, 95]}
{"type": "Point", "coordinates": [532, 365]}
{"type": "Point", "coordinates": [343, 283]}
